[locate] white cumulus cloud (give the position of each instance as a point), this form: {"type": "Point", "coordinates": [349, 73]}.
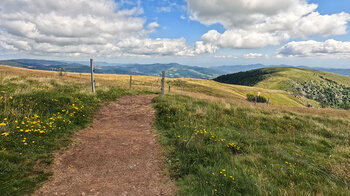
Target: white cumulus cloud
{"type": "Point", "coordinates": [252, 55]}
{"type": "Point", "coordinates": [80, 27]}
{"type": "Point", "coordinates": [311, 48]}
{"type": "Point", "coordinates": [258, 23]}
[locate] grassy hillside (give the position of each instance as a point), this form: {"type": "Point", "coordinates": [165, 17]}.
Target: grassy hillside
{"type": "Point", "coordinates": [220, 148]}
{"type": "Point", "coordinates": [206, 127]}
{"type": "Point", "coordinates": [39, 114]}
{"type": "Point", "coordinates": [194, 87]}
{"type": "Point", "coordinates": [326, 88]}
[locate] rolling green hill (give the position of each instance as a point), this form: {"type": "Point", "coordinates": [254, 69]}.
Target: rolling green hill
{"type": "Point", "coordinates": [327, 88]}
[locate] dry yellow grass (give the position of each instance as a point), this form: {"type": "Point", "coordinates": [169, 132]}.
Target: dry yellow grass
{"type": "Point", "coordinates": [197, 88]}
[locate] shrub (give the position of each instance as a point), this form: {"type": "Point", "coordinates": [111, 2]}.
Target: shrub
{"type": "Point", "coordinates": [259, 99]}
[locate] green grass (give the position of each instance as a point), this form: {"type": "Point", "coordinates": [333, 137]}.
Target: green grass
{"type": "Point", "coordinates": [280, 78]}
{"type": "Point", "coordinates": [266, 151]}
{"type": "Point", "coordinates": [193, 87]}
{"type": "Point", "coordinates": [236, 92]}
{"type": "Point", "coordinates": [38, 116]}
{"type": "Point", "coordinates": [326, 89]}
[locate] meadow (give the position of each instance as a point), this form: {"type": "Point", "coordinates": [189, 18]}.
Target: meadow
{"type": "Point", "coordinates": [216, 142]}
{"type": "Point", "coordinates": [39, 114]}
{"type": "Point", "coordinates": [218, 148]}
{"type": "Point", "coordinates": [326, 89]}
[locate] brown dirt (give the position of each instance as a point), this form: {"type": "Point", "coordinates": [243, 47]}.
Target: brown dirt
{"type": "Point", "coordinates": [118, 155]}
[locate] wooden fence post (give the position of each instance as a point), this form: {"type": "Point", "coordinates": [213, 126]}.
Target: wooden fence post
{"type": "Point", "coordinates": [162, 89]}
{"type": "Point", "coordinates": [130, 81]}
{"type": "Point", "coordinates": [268, 101]}
{"type": "Point", "coordinates": [169, 89]}
{"type": "Point", "coordinates": [152, 87]}
{"type": "Point", "coordinates": [61, 71]}
{"type": "Point", "coordinates": [255, 100]}
{"type": "Point", "coordinates": [92, 76]}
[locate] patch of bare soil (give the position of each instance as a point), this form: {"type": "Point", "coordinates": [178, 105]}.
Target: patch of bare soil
{"type": "Point", "coordinates": [118, 155]}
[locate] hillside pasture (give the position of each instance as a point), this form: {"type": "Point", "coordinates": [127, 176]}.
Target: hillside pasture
{"type": "Point", "coordinates": [216, 142]}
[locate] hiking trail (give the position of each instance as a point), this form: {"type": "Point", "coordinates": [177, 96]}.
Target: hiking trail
{"type": "Point", "coordinates": [117, 155]}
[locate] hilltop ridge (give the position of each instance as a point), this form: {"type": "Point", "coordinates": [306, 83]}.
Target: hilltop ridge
{"type": "Point", "coordinates": [327, 88]}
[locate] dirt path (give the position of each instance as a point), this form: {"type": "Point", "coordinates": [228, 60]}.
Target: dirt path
{"type": "Point", "coordinates": [118, 155]}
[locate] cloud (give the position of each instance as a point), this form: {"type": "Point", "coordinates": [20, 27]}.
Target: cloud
{"type": "Point", "coordinates": [259, 23]}
{"type": "Point", "coordinates": [168, 6]}
{"type": "Point", "coordinates": [151, 26]}
{"type": "Point", "coordinates": [107, 28]}
{"type": "Point", "coordinates": [81, 28]}
{"type": "Point", "coordinates": [163, 47]}
{"type": "Point", "coordinates": [242, 39]}
{"type": "Point", "coordinates": [311, 48]}
{"type": "Point", "coordinates": [252, 55]}
{"type": "Point", "coordinates": [225, 57]}
{"type": "Point", "coordinates": [164, 9]}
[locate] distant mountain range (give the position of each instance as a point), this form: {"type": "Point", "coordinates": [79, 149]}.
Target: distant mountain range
{"type": "Point", "coordinates": [173, 70]}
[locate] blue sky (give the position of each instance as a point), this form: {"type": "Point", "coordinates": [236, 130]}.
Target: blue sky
{"type": "Point", "coordinates": [174, 25]}
{"type": "Point", "coordinates": [194, 32]}
{"type": "Point", "coordinates": [174, 21]}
